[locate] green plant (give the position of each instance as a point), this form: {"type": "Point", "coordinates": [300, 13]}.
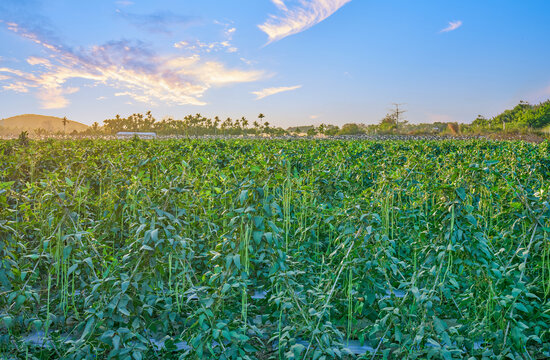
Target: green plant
{"type": "Point", "coordinates": [258, 249]}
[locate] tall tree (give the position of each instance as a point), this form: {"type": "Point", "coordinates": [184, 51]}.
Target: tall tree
{"type": "Point", "coordinates": [216, 123]}
{"type": "Point", "coordinates": [261, 116]}
{"type": "Point", "coordinates": [244, 123]}
{"type": "Point", "coordinates": [65, 121]}
{"type": "Point", "coordinates": [397, 115]}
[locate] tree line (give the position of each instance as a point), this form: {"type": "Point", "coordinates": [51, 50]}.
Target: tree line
{"type": "Point", "coordinates": [199, 125]}
{"type": "Point", "coordinates": [192, 125]}
{"type": "Point", "coordinates": [522, 118]}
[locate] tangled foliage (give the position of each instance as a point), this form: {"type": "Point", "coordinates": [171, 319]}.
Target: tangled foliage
{"type": "Point", "coordinates": [250, 249]}
{"type": "Point", "coordinates": [522, 116]}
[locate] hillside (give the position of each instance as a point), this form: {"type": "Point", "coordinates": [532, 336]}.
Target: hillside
{"type": "Point", "coordinates": [32, 122]}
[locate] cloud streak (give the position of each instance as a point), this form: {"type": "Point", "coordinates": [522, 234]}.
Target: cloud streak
{"type": "Point", "coordinates": [260, 94]}
{"type": "Point", "coordinates": [453, 25]}
{"type": "Point", "coordinates": [298, 18]}
{"type": "Point", "coordinates": [130, 67]}
{"type": "Point", "coordinates": [206, 47]}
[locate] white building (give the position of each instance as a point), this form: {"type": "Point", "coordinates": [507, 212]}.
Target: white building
{"type": "Point", "coordinates": [131, 134]}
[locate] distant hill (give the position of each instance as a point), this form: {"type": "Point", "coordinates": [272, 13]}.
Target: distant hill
{"type": "Point", "coordinates": [32, 122]}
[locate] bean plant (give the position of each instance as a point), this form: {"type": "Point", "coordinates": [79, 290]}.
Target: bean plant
{"type": "Point", "coordinates": [274, 249]}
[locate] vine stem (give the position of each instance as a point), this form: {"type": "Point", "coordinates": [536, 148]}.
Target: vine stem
{"type": "Point", "coordinates": [342, 265]}
{"type": "Point", "coordinates": [520, 279]}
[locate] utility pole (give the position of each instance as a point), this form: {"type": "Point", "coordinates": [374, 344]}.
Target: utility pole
{"type": "Point", "coordinates": [398, 113]}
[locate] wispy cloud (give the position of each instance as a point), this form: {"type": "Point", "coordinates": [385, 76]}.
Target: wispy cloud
{"type": "Point", "coordinates": [229, 32]}
{"type": "Point", "coordinates": [206, 47]}
{"type": "Point", "coordinates": [246, 61]}
{"type": "Point", "coordinates": [303, 16]}
{"type": "Point", "coordinates": [130, 67]}
{"type": "Point", "coordinates": [159, 22]}
{"type": "Point", "coordinates": [260, 94]}
{"type": "Point", "coordinates": [214, 46]}
{"type": "Point", "coordinates": [181, 44]}
{"type": "Point", "coordinates": [280, 4]}
{"type": "Point", "coordinates": [453, 25]}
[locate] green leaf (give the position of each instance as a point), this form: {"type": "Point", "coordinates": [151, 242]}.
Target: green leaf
{"type": "Point", "coordinates": [88, 328]}
{"type": "Point", "coordinates": [90, 263]}
{"type": "Point", "coordinates": [20, 300]}
{"type": "Point", "coordinates": [243, 195]}
{"type": "Point", "coordinates": [147, 247]}
{"type": "Point", "coordinates": [521, 307]}
{"type": "Point", "coordinates": [208, 302]}
{"type": "Point", "coordinates": [439, 325]}
{"type": "Point", "coordinates": [71, 269]}
{"type": "Point", "coordinates": [471, 219]}
{"type": "Point", "coordinates": [125, 286]}
{"type": "Point", "coordinates": [446, 354]}
{"type": "Point", "coordinates": [123, 310]}
{"type": "Point", "coordinates": [237, 261]}
{"type": "Point", "coordinates": [8, 321]}
{"type": "Point", "coordinates": [461, 192]}
{"type": "Point", "coordinates": [155, 235]}
{"type": "Point", "coordinates": [297, 349]}
{"type": "Point", "coordinates": [116, 342]}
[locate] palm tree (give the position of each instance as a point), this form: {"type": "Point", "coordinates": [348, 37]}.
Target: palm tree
{"type": "Point", "coordinates": [260, 116]}
{"type": "Point", "coordinates": [65, 121]}
{"type": "Point", "coordinates": [244, 123]}
{"type": "Point", "coordinates": [227, 124]}
{"type": "Point", "coordinates": [256, 126]}
{"type": "Point", "coordinates": [216, 123]}
{"type": "Point", "coordinates": [148, 121]}
{"type": "Point", "coordinates": [208, 125]}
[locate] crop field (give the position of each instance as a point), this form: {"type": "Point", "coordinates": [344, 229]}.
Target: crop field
{"type": "Point", "coordinates": [259, 249]}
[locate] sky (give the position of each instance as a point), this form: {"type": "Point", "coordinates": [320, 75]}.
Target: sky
{"type": "Point", "coordinates": [296, 61]}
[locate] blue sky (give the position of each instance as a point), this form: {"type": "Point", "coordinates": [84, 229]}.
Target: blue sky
{"type": "Point", "coordinates": [296, 61]}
